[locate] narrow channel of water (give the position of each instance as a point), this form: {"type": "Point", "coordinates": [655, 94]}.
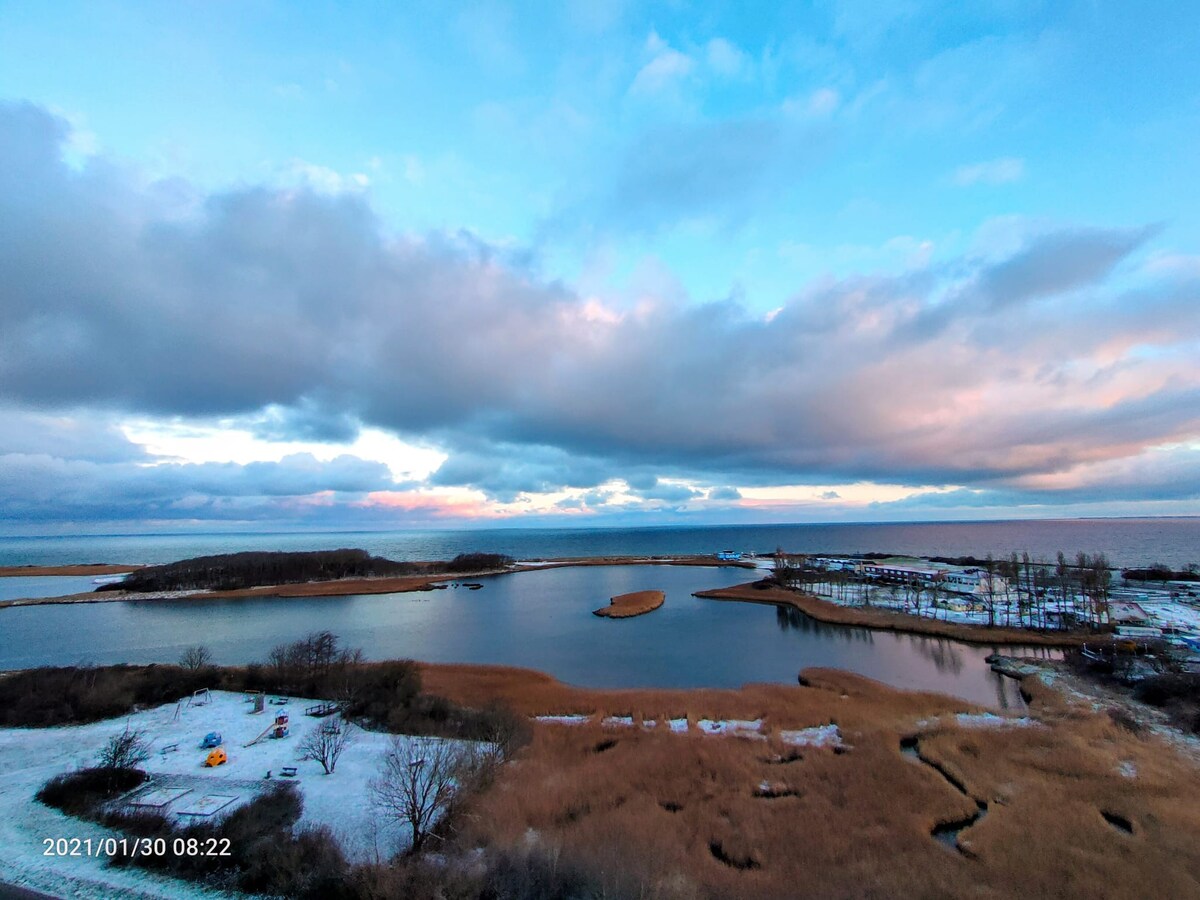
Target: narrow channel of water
{"type": "Point", "coordinates": [539, 619]}
{"type": "Point", "coordinates": [14, 587]}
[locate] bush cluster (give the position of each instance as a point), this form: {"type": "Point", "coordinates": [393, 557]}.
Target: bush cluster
{"type": "Point", "coordinates": [237, 571]}
{"type": "Point", "coordinates": [77, 694]}
{"type": "Point", "coordinates": [80, 793]}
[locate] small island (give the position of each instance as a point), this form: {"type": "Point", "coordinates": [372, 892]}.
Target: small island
{"type": "Point", "coordinates": [624, 606]}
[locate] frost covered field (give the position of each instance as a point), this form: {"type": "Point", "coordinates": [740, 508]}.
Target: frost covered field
{"type": "Point", "coordinates": [29, 757]}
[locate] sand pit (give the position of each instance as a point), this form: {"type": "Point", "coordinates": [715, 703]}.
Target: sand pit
{"type": "Point", "coordinates": [204, 805]}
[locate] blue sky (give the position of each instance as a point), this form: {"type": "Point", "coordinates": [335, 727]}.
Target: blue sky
{"type": "Point", "coordinates": [976, 224]}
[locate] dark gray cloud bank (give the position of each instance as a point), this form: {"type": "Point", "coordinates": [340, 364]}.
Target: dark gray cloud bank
{"type": "Point", "coordinates": [300, 313]}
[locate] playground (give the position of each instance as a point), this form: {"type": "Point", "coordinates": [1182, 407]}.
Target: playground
{"type": "Point", "coordinates": [183, 786]}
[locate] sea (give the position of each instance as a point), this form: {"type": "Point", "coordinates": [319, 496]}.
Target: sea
{"type": "Point", "coordinates": [1126, 542]}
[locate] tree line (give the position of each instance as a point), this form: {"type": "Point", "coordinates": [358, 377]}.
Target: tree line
{"type": "Point", "coordinates": [237, 571]}
{"type": "Point", "coordinates": [1014, 591]}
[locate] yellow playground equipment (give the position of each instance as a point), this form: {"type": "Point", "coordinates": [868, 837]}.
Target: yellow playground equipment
{"type": "Point", "coordinates": [216, 758]}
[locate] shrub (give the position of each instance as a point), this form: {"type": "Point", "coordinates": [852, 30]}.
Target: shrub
{"type": "Point", "coordinates": [44, 697]}
{"type": "Point", "coordinates": [196, 658]}
{"type": "Point", "coordinates": [125, 750]}
{"type": "Point", "coordinates": [82, 792]}
{"type": "Point", "coordinates": [1160, 690]}
{"type": "Point", "coordinates": [478, 562]}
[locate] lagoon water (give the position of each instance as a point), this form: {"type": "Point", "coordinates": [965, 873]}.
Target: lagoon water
{"type": "Point", "coordinates": [539, 619]}
{"type": "Point", "coordinates": [16, 586]}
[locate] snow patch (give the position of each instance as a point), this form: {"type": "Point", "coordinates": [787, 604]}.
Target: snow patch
{"type": "Point", "coordinates": [820, 736]}
{"type": "Point", "coordinates": [617, 722]}
{"type": "Point", "coordinates": [578, 719]}
{"type": "Point", "coordinates": [990, 720]}
{"type": "Point", "coordinates": [736, 727]}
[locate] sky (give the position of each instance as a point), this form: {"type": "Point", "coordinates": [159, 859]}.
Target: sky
{"type": "Point", "coordinates": [304, 266]}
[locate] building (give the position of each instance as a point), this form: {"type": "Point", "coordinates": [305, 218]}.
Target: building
{"type": "Point", "coordinates": [1125, 612]}
{"type": "Point", "coordinates": [913, 575]}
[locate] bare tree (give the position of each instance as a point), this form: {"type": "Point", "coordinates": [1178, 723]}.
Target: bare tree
{"type": "Point", "coordinates": [326, 743]}
{"type": "Point", "coordinates": [419, 780]}
{"type": "Point", "coordinates": [124, 750]}
{"type": "Point", "coordinates": [196, 658]}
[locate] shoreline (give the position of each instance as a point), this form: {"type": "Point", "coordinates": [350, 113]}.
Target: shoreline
{"type": "Point", "coordinates": [813, 607]}
{"type": "Point", "coordinates": [626, 606]}
{"type": "Point", "coordinates": [73, 569]}
{"type": "Point", "coordinates": [398, 584]}
{"type": "Point", "coordinates": [886, 620]}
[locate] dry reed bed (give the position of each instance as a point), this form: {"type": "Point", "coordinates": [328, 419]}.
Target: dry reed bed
{"type": "Point", "coordinates": [92, 569]}
{"type": "Point", "coordinates": [637, 603]}
{"type": "Point", "coordinates": [887, 620]}
{"type": "Point", "coordinates": [667, 815]}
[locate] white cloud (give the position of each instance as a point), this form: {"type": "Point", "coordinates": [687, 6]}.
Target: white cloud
{"type": "Point", "coordinates": [1004, 170]}
{"type": "Point", "coordinates": [819, 104]}
{"type": "Point", "coordinates": [325, 180]}
{"type": "Point", "coordinates": [666, 66]}
{"type": "Point", "coordinates": [725, 58]}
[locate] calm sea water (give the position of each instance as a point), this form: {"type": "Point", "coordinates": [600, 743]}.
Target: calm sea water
{"type": "Point", "coordinates": [1175, 542]}
{"type": "Point", "coordinates": [538, 619]}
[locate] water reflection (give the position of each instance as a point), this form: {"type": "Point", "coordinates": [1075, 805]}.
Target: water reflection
{"type": "Point", "coordinates": [788, 618]}
{"type": "Point", "coordinates": [946, 655]}
{"type": "Point", "coordinates": [541, 620]}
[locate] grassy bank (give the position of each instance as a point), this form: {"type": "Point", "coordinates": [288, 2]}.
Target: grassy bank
{"type": "Point", "coordinates": [89, 569]}
{"type": "Point", "coordinates": [647, 813]}
{"type": "Point", "coordinates": [638, 603]}
{"type": "Point", "coordinates": [887, 620]}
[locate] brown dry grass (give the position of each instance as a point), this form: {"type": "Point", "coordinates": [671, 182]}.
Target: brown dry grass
{"type": "Point", "coordinates": [638, 603]}
{"type": "Point", "coordinates": [95, 569]}
{"type": "Point", "coordinates": [888, 620]}
{"type": "Point", "coordinates": [663, 815]}
{"type": "Point", "coordinates": [707, 561]}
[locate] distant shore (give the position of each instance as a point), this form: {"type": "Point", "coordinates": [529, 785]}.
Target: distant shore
{"type": "Point", "coordinates": [886, 620]}
{"type": "Point", "coordinates": [82, 569]}
{"type": "Point", "coordinates": [340, 588]}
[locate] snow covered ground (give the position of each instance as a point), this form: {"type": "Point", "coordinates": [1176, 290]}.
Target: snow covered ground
{"type": "Point", "coordinates": [30, 757]}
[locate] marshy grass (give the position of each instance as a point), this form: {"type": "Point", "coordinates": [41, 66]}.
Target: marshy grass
{"type": "Point", "coordinates": [685, 815]}
{"type": "Point", "coordinates": [638, 603]}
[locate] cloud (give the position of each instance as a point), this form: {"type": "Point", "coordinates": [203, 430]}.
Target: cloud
{"type": "Point", "coordinates": [308, 420]}
{"type": "Point", "coordinates": [298, 310]}
{"type": "Point", "coordinates": [42, 487]}
{"type": "Point", "coordinates": [724, 58]}
{"type": "Point", "coordinates": [1056, 263]}
{"type": "Point", "coordinates": [995, 171]}
{"type": "Point", "coordinates": [669, 493]}
{"type": "Point", "coordinates": [503, 472]}
{"type": "Point", "coordinates": [818, 104]}
{"type": "Point", "coordinates": [665, 68]}
{"type": "Point", "coordinates": [725, 493]}
{"type": "Point", "coordinates": [325, 180]}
